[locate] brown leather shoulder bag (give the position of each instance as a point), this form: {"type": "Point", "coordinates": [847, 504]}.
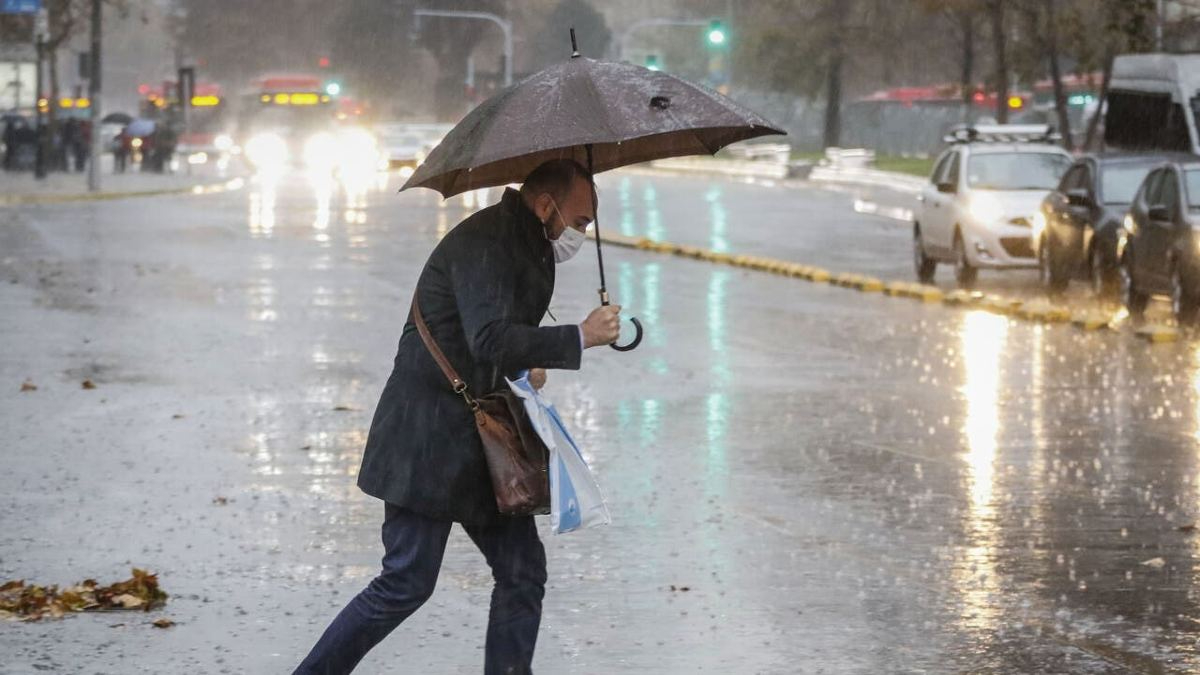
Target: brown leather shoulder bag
{"type": "Point", "coordinates": [517, 458]}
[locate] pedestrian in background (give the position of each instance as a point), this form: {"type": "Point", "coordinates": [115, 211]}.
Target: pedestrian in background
{"type": "Point", "coordinates": [483, 293]}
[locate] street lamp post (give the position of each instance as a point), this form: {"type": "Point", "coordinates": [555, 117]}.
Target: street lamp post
{"type": "Point", "coordinates": [504, 24]}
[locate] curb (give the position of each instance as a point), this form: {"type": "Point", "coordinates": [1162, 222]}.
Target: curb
{"type": "Point", "coordinates": [203, 189]}
{"type": "Point", "coordinates": [1036, 310]}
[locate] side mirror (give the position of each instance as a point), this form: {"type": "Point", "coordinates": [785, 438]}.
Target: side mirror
{"type": "Point", "coordinates": [948, 188]}
{"type": "Point", "coordinates": [1158, 213]}
{"type": "Point", "coordinates": [1079, 197]}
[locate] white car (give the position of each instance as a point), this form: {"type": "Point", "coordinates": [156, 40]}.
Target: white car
{"type": "Point", "coordinates": [981, 206]}
{"type": "Point", "coordinates": [407, 145]}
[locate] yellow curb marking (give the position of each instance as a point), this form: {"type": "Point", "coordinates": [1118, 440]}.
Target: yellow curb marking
{"type": "Point", "coordinates": [214, 188]}
{"type": "Point", "coordinates": [1034, 310]}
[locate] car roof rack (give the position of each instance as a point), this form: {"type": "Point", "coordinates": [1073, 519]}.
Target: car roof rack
{"type": "Point", "coordinates": [1002, 133]}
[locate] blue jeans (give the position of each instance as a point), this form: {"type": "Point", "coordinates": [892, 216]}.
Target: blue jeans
{"type": "Point", "coordinates": [414, 548]}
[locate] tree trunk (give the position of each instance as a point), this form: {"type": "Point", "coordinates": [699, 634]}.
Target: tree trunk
{"type": "Point", "coordinates": [967, 76]}
{"type": "Point", "coordinates": [1094, 123]}
{"type": "Point", "coordinates": [833, 83]}
{"type": "Point", "coordinates": [999, 44]}
{"type": "Point", "coordinates": [1060, 96]}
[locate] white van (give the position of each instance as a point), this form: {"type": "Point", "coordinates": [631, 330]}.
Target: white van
{"type": "Point", "coordinates": [1153, 101]}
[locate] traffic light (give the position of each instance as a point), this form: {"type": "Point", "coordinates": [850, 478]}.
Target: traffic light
{"type": "Point", "coordinates": [323, 62]}
{"type": "Point", "coordinates": [716, 33]}
{"type": "Point", "coordinates": [652, 62]}
{"type": "Point", "coordinates": [333, 88]}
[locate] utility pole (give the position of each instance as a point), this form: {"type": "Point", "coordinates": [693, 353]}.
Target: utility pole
{"type": "Point", "coordinates": [97, 139]}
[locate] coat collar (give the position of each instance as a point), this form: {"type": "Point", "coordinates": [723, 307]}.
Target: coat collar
{"type": "Point", "coordinates": [527, 221]}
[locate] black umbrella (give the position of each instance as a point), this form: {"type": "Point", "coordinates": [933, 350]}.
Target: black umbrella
{"type": "Point", "coordinates": [604, 115]}
{"type": "Point", "coordinates": [117, 118]}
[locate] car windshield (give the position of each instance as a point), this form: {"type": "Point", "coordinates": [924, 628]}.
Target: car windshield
{"type": "Point", "coordinates": [1122, 183]}
{"type": "Point", "coordinates": [1192, 178]}
{"type": "Point", "coordinates": [1016, 170]}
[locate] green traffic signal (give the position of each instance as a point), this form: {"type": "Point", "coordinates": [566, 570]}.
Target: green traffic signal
{"type": "Point", "coordinates": [716, 33]}
{"type": "Point", "coordinates": [652, 62]}
{"type": "Point", "coordinates": [333, 88]}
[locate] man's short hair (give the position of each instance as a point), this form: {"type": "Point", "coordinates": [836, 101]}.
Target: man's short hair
{"type": "Point", "coordinates": [556, 177]}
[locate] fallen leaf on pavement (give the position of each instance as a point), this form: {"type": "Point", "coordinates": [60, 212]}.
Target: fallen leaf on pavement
{"type": "Point", "coordinates": [28, 386]}
{"type": "Point", "coordinates": [1186, 528]}
{"type": "Point", "coordinates": [128, 601]}
{"type": "Point", "coordinates": [88, 384]}
{"type": "Point", "coordinates": [177, 416]}
{"type": "Point", "coordinates": [343, 408]}
{"type": "Point", "coordinates": [1156, 563]}
{"type": "Point", "coordinates": [164, 623]}
{"type": "Point", "coordinates": [220, 501]}
{"type": "Point", "coordinates": [27, 602]}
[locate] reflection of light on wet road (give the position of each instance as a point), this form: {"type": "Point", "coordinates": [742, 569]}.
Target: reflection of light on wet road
{"type": "Point", "coordinates": [654, 228]}
{"type": "Point", "coordinates": [262, 209]}
{"type": "Point", "coordinates": [625, 199]}
{"type": "Point", "coordinates": [717, 220]}
{"type": "Point", "coordinates": [983, 339]}
{"type": "Point", "coordinates": [717, 406]}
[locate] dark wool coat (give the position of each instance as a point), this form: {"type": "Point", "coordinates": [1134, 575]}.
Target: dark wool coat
{"type": "Point", "coordinates": [483, 292]}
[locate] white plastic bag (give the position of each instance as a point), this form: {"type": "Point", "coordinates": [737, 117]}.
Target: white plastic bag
{"type": "Point", "coordinates": [575, 498]}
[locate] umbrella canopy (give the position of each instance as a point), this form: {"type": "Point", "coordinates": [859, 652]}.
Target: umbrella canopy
{"type": "Point", "coordinates": [626, 113]}
{"type": "Point", "coordinates": [117, 118]}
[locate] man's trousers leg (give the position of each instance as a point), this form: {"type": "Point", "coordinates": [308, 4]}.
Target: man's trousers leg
{"type": "Point", "coordinates": [518, 563]}
{"type": "Point", "coordinates": [414, 546]}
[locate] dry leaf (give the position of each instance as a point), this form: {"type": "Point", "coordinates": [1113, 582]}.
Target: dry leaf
{"type": "Point", "coordinates": [164, 623]}
{"type": "Point", "coordinates": [220, 501]}
{"type": "Point", "coordinates": [88, 384]}
{"type": "Point", "coordinates": [343, 408]}
{"type": "Point", "coordinates": [128, 601]}
{"type": "Point", "coordinates": [1156, 563]}
{"type": "Point", "coordinates": [177, 416]}
{"type": "Point", "coordinates": [1186, 528]}
{"type": "Point", "coordinates": [28, 386]}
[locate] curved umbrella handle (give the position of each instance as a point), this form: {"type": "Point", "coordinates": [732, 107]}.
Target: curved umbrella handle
{"type": "Point", "coordinates": [637, 340]}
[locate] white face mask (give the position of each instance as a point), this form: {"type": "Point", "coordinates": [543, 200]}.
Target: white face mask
{"type": "Point", "coordinates": [568, 243]}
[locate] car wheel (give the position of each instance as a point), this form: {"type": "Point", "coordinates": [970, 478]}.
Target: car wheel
{"type": "Point", "coordinates": [1183, 304]}
{"type": "Point", "coordinates": [1050, 272]}
{"type": "Point", "coordinates": [964, 273]}
{"type": "Point", "coordinates": [1133, 299]}
{"type": "Point", "coordinates": [925, 266]}
{"type": "Point", "coordinates": [1104, 279]}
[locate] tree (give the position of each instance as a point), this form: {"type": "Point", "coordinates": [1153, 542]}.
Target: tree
{"type": "Point", "coordinates": [552, 44]}
{"type": "Point", "coordinates": [997, 11]}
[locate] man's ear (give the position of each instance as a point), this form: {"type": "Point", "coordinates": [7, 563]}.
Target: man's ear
{"type": "Point", "coordinates": [543, 206]}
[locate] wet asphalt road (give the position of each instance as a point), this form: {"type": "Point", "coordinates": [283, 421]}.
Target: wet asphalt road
{"type": "Point", "coordinates": [843, 483]}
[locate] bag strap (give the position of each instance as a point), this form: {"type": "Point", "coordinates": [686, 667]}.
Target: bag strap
{"type": "Point", "coordinates": [460, 387]}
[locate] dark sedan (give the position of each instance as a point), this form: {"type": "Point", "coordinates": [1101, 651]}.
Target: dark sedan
{"type": "Point", "coordinates": [1081, 219]}
{"type": "Point", "coordinates": [1160, 247]}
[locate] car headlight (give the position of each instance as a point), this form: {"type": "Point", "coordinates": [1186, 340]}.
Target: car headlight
{"type": "Point", "coordinates": [320, 150]}
{"type": "Point", "coordinates": [985, 208]}
{"type": "Point", "coordinates": [1129, 224]}
{"type": "Point", "coordinates": [357, 150]}
{"type": "Point", "coordinates": [267, 150]}
{"type": "Point", "coordinates": [223, 142]}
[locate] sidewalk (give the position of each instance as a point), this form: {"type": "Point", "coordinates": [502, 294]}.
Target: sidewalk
{"type": "Point", "coordinates": [22, 188]}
